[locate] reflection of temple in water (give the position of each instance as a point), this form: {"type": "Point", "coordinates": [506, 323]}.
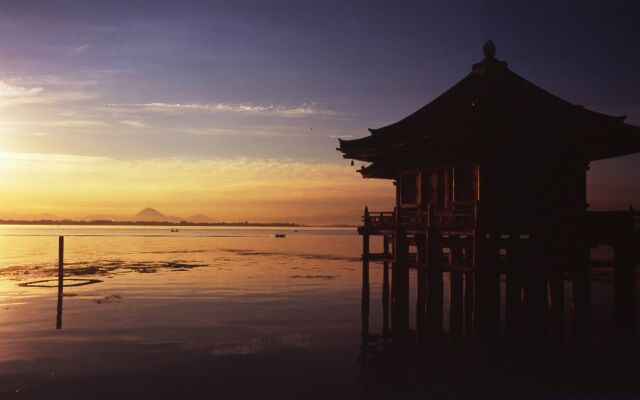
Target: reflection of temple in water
{"type": "Point", "coordinates": [491, 208]}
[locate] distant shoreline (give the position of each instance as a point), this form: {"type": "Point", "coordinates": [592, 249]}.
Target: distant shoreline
{"type": "Point", "coordinates": [168, 223]}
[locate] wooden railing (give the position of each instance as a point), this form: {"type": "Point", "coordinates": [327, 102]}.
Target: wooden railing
{"type": "Point", "coordinates": [459, 215]}
{"type": "Point", "coordinates": [379, 218]}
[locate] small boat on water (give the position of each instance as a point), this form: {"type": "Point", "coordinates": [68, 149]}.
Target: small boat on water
{"type": "Point", "coordinates": [175, 230]}
{"type": "Point", "coordinates": [281, 235]}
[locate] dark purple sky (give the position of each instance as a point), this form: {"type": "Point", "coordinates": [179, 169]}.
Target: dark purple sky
{"type": "Point", "coordinates": [282, 79]}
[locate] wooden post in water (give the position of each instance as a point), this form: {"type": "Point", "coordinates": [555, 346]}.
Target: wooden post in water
{"type": "Point", "coordinates": [60, 281]}
{"type": "Point", "coordinates": [421, 298]}
{"type": "Point", "coordinates": [625, 305]}
{"type": "Point", "coordinates": [556, 304]}
{"type": "Point", "coordinates": [582, 300]}
{"type": "Point", "coordinates": [365, 275]}
{"type": "Point", "coordinates": [435, 298]}
{"type": "Point", "coordinates": [400, 283]}
{"type": "Point", "coordinates": [385, 290]}
{"type": "Point", "coordinates": [513, 302]}
{"type": "Point", "coordinates": [456, 295]}
{"type": "Point", "coordinates": [469, 302]}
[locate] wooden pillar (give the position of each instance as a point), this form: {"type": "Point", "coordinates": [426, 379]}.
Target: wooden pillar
{"type": "Point", "coordinates": [421, 298]}
{"type": "Point", "coordinates": [469, 303]}
{"type": "Point", "coordinates": [556, 305]}
{"type": "Point", "coordinates": [535, 304]}
{"type": "Point", "coordinates": [456, 309]}
{"type": "Point", "coordinates": [400, 284]}
{"type": "Point", "coordinates": [625, 304]}
{"type": "Point", "coordinates": [365, 275]}
{"type": "Point", "coordinates": [487, 293]}
{"type": "Point", "coordinates": [434, 305]}
{"type": "Point", "coordinates": [454, 250]}
{"type": "Point", "coordinates": [385, 290]}
{"type": "Point", "coordinates": [582, 304]}
{"type": "Point", "coordinates": [513, 311]}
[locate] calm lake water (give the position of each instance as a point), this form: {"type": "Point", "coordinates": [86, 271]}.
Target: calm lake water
{"type": "Point", "coordinates": [226, 312]}
{"type": "Point", "coordinates": [202, 313]}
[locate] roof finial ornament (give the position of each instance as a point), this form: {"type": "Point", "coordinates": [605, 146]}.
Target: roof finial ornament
{"type": "Point", "coordinates": [489, 49]}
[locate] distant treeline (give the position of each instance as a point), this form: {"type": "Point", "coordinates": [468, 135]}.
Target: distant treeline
{"type": "Point", "coordinates": [144, 223]}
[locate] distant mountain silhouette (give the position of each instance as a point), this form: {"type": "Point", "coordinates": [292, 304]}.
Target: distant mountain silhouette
{"type": "Point", "coordinates": [30, 217]}
{"type": "Point", "coordinates": [199, 218]}
{"type": "Point", "coordinates": [151, 214]}
{"type": "Point", "coordinates": [146, 216]}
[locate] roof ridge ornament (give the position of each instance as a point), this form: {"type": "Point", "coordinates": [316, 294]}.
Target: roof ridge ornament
{"type": "Point", "coordinates": [489, 49]}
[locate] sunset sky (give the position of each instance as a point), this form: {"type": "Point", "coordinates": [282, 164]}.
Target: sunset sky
{"type": "Point", "coordinates": [233, 108]}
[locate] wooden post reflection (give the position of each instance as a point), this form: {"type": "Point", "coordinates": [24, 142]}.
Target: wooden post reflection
{"type": "Point", "coordinates": [385, 290]}
{"type": "Point", "coordinates": [60, 281]}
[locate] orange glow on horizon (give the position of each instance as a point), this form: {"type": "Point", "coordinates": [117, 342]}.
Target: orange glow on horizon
{"type": "Point", "coordinates": [235, 189]}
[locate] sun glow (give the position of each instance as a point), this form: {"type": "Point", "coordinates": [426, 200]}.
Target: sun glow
{"type": "Point", "coordinates": [224, 189]}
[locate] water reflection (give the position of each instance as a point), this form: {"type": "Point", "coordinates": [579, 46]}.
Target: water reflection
{"type": "Point", "coordinates": [60, 296]}
{"type": "Point", "coordinates": [260, 317]}
{"type": "Point", "coordinates": [516, 327]}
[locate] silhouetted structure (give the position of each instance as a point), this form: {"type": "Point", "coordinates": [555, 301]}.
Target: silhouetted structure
{"type": "Point", "coordinates": [491, 196]}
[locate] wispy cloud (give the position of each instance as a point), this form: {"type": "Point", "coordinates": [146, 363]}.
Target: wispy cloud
{"type": "Point", "coordinates": [28, 91]}
{"type": "Point", "coordinates": [64, 122]}
{"type": "Point", "coordinates": [81, 49]}
{"type": "Point", "coordinates": [246, 131]}
{"type": "Point", "coordinates": [279, 110]}
{"type": "Point", "coordinates": [12, 94]}
{"type": "Point", "coordinates": [134, 123]}
{"type": "Point", "coordinates": [51, 158]}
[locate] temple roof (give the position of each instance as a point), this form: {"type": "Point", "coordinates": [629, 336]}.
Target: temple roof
{"type": "Point", "coordinates": [494, 108]}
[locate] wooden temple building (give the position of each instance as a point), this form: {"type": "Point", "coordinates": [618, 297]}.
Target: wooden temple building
{"type": "Point", "coordinates": [491, 176]}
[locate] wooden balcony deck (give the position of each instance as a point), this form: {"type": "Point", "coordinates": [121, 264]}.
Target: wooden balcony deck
{"type": "Point", "coordinates": [460, 218]}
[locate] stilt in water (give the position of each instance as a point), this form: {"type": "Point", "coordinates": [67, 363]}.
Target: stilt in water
{"type": "Point", "coordinates": [435, 293]}
{"type": "Point", "coordinates": [513, 310]}
{"type": "Point", "coordinates": [582, 303]}
{"type": "Point", "coordinates": [487, 291]}
{"type": "Point", "coordinates": [625, 304]}
{"type": "Point", "coordinates": [456, 317]}
{"type": "Point", "coordinates": [556, 306]}
{"type": "Point", "coordinates": [421, 299]}
{"type": "Point", "coordinates": [365, 276]}
{"type": "Point", "coordinates": [385, 291]}
{"type": "Point", "coordinates": [400, 288]}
